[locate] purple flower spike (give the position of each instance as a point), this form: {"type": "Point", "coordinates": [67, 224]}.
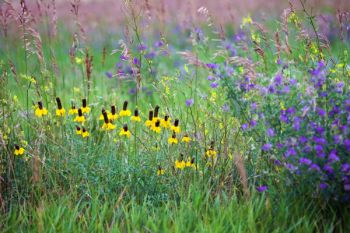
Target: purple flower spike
{"type": "Point", "coordinates": [261, 188]}
{"type": "Point", "coordinates": [109, 74]}
{"type": "Point", "coordinates": [189, 102]}
{"type": "Point", "coordinates": [266, 147]}
{"type": "Point", "coordinates": [214, 85]}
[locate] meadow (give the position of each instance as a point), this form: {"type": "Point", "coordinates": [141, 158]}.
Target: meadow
{"type": "Point", "coordinates": [156, 125]}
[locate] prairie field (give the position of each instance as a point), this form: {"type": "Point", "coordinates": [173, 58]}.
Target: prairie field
{"type": "Point", "coordinates": [174, 116]}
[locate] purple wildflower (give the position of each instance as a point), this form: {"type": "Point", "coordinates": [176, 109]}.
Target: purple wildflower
{"type": "Point", "coordinates": [261, 188]}
{"type": "Point", "coordinates": [189, 102]}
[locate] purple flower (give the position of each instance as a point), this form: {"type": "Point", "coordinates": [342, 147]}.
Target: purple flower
{"type": "Point", "coordinates": [321, 112]}
{"type": "Point", "coordinates": [252, 123]}
{"type": "Point", "coordinates": [278, 80]}
{"type": "Point", "coordinates": [345, 168]}
{"type": "Point", "coordinates": [323, 186]}
{"type": "Point", "coordinates": [291, 167]}
{"type": "Point", "coordinates": [305, 161]}
{"type": "Point", "coordinates": [210, 78]}
{"type": "Point", "coordinates": [261, 188]}
{"type": "Point", "coordinates": [270, 132]}
{"type": "Point", "coordinates": [136, 61]}
{"type": "Point", "coordinates": [226, 107]}
{"type": "Point", "coordinates": [214, 85]}
{"type": "Point", "coordinates": [315, 167]}
{"type": "Point", "coordinates": [212, 66]}
{"type": "Point", "coordinates": [244, 126]}
{"type": "Point", "coordinates": [328, 168]}
{"type": "Point", "coordinates": [109, 74]}
{"type": "Point", "coordinates": [150, 55]}
{"type": "Point", "coordinates": [124, 57]}
{"type": "Point", "coordinates": [158, 44]}
{"type": "Point", "coordinates": [266, 147]}
{"type": "Point", "coordinates": [290, 152]}
{"type": "Point", "coordinates": [141, 47]}
{"type": "Point", "coordinates": [189, 102]}
{"type": "Point", "coordinates": [333, 157]}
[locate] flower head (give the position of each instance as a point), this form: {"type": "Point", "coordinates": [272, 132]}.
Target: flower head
{"type": "Point", "coordinates": [125, 112]}
{"type": "Point", "coordinates": [136, 116]}
{"type": "Point", "coordinates": [165, 123]}
{"type": "Point", "coordinates": [78, 130]}
{"type": "Point", "coordinates": [113, 114]}
{"type": "Point", "coordinates": [80, 118]}
{"type": "Point", "coordinates": [176, 127]}
{"type": "Point", "coordinates": [150, 119]}
{"type": "Point", "coordinates": [160, 171]}
{"type": "Point", "coordinates": [60, 111]}
{"type": "Point", "coordinates": [85, 133]}
{"type": "Point", "coordinates": [73, 110]}
{"type": "Point", "coordinates": [189, 102]}
{"type": "Point", "coordinates": [186, 139]}
{"type": "Point", "coordinates": [180, 163]}
{"type": "Point", "coordinates": [19, 150]}
{"type": "Point", "coordinates": [211, 153]}
{"type": "Point", "coordinates": [125, 131]}
{"type": "Point", "coordinates": [261, 188]}
{"type": "Point", "coordinates": [107, 125]}
{"type": "Point", "coordinates": [156, 127]}
{"type": "Point", "coordinates": [40, 110]}
{"type": "Point", "coordinates": [173, 140]}
{"type": "Point", "coordinates": [85, 108]}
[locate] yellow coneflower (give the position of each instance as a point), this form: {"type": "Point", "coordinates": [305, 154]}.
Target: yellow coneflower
{"type": "Point", "coordinates": [40, 110]}
{"type": "Point", "coordinates": [80, 118]}
{"type": "Point", "coordinates": [165, 123]}
{"type": "Point", "coordinates": [211, 152]}
{"type": "Point", "coordinates": [73, 110]}
{"type": "Point", "coordinates": [155, 115]}
{"type": "Point", "coordinates": [19, 150]}
{"type": "Point", "coordinates": [136, 116]}
{"type": "Point", "coordinates": [180, 163]}
{"type": "Point", "coordinates": [186, 139]}
{"type": "Point", "coordinates": [85, 133]}
{"type": "Point", "coordinates": [124, 131]}
{"type": "Point", "coordinates": [60, 111]}
{"type": "Point", "coordinates": [176, 126]}
{"type": "Point", "coordinates": [78, 130]}
{"type": "Point", "coordinates": [156, 127]}
{"type": "Point", "coordinates": [113, 115]}
{"type": "Point", "coordinates": [160, 171]}
{"type": "Point", "coordinates": [150, 119]}
{"type": "Point", "coordinates": [85, 108]}
{"type": "Point", "coordinates": [107, 125]}
{"type": "Point", "coordinates": [173, 139]}
{"type": "Point", "coordinates": [125, 112]}
{"type": "Point", "coordinates": [191, 163]}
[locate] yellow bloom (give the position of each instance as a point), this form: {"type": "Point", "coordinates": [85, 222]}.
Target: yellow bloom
{"type": "Point", "coordinates": [108, 126]}
{"type": "Point", "coordinates": [85, 108]}
{"type": "Point", "coordinates": [125, 112]}
{"type": "Point", "coordinates": [186, 139]}
{"type": "Point", "coordinates": [19, 150]}
{"type": "Point", "coordinates": [60, 111]}
{"type": "Point", "coordinates": [78, 130]}
{"type": "Point", "coordinates": [176, 127]}
{"type": "Point", "coordinates": [165, 123]}
{"type": "Point", "coordinates": [85, 133]}
{"type": "Point", "coordinates": [211, 153]}
{"type": "Point", "coordinates": [73, 111]}
{"type": "Point", "coordinates": [78, 60]}
{"type": "Point", "coordinates": [136, 118]}
{"type": "Point", "coordinates": [156, 127]}
{"type": "Point", "coordinates": [80, 118]}
{"type": "Point", "coordinates": [40, 110]}
{"type": "Point", "coordinates": [173, 140]}
{"type": "Point", "coordinates": [191, 163]}
{"type": "Point", "coordinates": [180, 164]}
{"type": "Point", "coordinates": [246, 20]}
{"type": "Point", "coordinates": [155, 115]}
{"type": "Point", "coordinates": [160, 171]}
{"type": "Point", "coordinates": [149, 122]}
{"type": "Point", "coordinates": [113, 115]}
{"type": "Point", "coordinates": [125, 132]}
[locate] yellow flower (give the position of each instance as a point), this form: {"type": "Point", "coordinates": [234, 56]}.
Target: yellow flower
{"type": "Point", "coordinates": [211, 153]}
{"type": "Point", "coordinates": [156, 127]}
{"type": "Point", "coordinates": [85, 108]}
{"type": "Point", "coordinates": [246, 20]}
{"type": "Point", "coordinates": [125, 112]}
{"type": "Point", "coordinates": [80, 118]}
{"type": "Point", "coordinates": [40, 110]}
{"type": "Point", "coordinates": [113, 115]}
{"type": "Point", "coordinates": [173, 140]}
{"type": "Point", "coordinates": [176, 127]}
{"type": "Point", "coordinates": [165, 123]}
{"type": "Point", "coordinates": [186, 139]}
{"type": "Point", "coordinates": [155, 115]}
{"type": "Point", "coordinates": [73, 111]}
{"type": "Point", "coordinates": [191, 163]}
{"type": "Point", "coordinates": [180, 164]}
{"type": "Point", "coordinates": [78, 130]}
{"type": "Point", "coordinates": [160, 171]}
{"type": "Point", "coordinates": [149, 122]}
{"type": "Point", "coordinates": [85, 133]}
{"type": "Point", "coordinates": [19, 150]}
{"type": "Point", "coordinates": [108, 126]}
{"type": "Point", "coordinates": [78, 60]}
{"type": "Point", "coordinates": [136, 118]}
{"type": "Point", "coordinates": [60, 111]}
{"type": "Point", "coordinates": [125, 132]}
